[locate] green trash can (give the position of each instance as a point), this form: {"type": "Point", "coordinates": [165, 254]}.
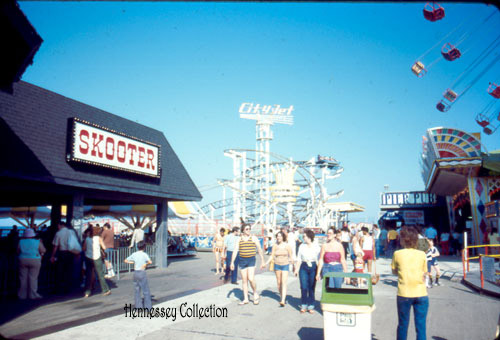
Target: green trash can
{"type": "Point", "coordinates": [347, 311]}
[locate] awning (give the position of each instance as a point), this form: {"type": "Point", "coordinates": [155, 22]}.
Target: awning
{"type": "Point", "coordinates": [37, 212]}
{"type": "Point", "coordinates": [175, 209]}
{"type": "Point", "coordinates": [348, 207]}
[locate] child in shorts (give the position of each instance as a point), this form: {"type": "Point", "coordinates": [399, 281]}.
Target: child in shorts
{"type": "Point", "coordinates": [432, 255]}
{"type": "Point", "coordinates": [359, 266]}
{"type": "Point", "coordinates": [140, 260]}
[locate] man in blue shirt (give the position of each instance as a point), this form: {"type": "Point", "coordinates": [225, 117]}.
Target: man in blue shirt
{"type": "Point", "coordinates": [229, 243]}
{"type": "Point", "coordinates": [431, 234]}
{"type": "Point", "coordinates": [140, 260]}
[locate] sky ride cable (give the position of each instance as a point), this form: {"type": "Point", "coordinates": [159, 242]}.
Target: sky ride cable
{"type": "Point", "coordinates": [479, 76]}
{"type": "Point", "coordinates": [494, 44]}
{"type": "Point", "coordinates": [488, 107]}
{"type": "Point", "coordinates": [466, 35]}
{"type": "Point", "coordinates": [440, 41]}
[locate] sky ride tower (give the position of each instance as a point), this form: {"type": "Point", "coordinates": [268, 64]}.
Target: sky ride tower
{"type": "Point", "coordinates": [265, 116]}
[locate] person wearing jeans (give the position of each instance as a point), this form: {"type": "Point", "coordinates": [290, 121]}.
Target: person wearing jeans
{"type": "Point", "coordinates": [306, 267]}
{"type": "Point", "coordinates": [410, 264]}
{"type": "Point", "coordinates": [229, 243]}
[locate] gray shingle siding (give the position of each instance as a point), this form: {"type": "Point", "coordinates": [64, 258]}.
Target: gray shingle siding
{"type": "Point", "coordinates": [39, 119]}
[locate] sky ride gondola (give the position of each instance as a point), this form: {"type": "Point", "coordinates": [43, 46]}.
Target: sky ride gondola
{"type": "Point", "coordinates": [489, 118]}
{"type": "Point", "coordinates": [450, 52]}
{"type": "Point", "coordinates": [450, 96]}
{"type": "Point", "coordinates": [494, 90]}
{"type": "Point", "coordinates": [433, 11]}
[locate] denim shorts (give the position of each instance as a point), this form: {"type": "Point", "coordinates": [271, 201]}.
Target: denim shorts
{"type": "Point", "coordinates": [109, 251]}
{"type": "Point", "coordinates": [283, 268]}
{"type": "Point", "coordinates": [246, 262]}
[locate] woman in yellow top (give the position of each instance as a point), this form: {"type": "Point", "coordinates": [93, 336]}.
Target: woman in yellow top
{"type": "Point", "coordinates": [410, 265]}
{"type": "Point", "coordinates": [282, 256]}
{"type": "Point", "coordinates": [246, 248]}
{"type": "Point", "coordinates": [218, 249]}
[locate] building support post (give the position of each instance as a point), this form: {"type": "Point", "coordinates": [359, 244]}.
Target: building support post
{"type": "Point", "coordinates": [161, 234]}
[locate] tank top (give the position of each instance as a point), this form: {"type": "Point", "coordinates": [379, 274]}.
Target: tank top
{"type": "Point", "coordinates": [281, 255]}
{"type": "Point", "coordinates": [331, 256]}
{"type": "Point", "coordinates": [367, 242]}
{"type": "Point", "coordinates": [358, 267]}
{"type": "Point", "coordinates": [247, 248]}
{"type": "Point", "coordinates": [29, 248]}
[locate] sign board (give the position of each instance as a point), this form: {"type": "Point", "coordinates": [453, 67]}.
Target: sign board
{"type": "Point", "coordinates": [407, 199]}
{"type": "Point", "coordinates": [489, 268]}
{"type": "Point", "coordinates": [269, 113]}
{"type": "Point", "coordinates": [413, 217]}
{"type": "Point", "coordinates": [96, 145]}
{"type": "Point", "coordinates": [346, 319]}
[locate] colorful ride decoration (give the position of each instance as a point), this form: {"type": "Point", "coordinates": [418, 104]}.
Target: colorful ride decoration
{"type": "Point", "coordinates": [494, 90]}
{"type": "Point", "coordinates": [450, 143]}
{"type": "Point", "coordinates": [433, 11]}
{"type": "Point", "coordinates": [419, 69]}
{"type": "Point", "coordinates": [450, 52]}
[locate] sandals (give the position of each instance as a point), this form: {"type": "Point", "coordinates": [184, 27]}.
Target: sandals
{"type": "Point", "coordinates": [282, 304]}
{"type": "Point", "coordinates": [256, 301]}
{"type": "Point", "coordinates": [302, 311]}
{"type": "Point", "coordinates": [243, 303]}
{"type": "Point", "coordinates": [311, 311]}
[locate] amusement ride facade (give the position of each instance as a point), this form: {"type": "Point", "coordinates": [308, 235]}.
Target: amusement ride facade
{"type": "Point", "coordinates": [271, 190]}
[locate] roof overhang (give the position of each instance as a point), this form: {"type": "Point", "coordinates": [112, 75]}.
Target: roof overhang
{"type": "Point", "coordinates": [348, 207]}
{"type": "Point", "coordinates": [449, 176]}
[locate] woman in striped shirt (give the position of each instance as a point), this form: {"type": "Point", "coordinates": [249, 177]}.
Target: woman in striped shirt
{"type": "Point", "coordinates": [246, 248]}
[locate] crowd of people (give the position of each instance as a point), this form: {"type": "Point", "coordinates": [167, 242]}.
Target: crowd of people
{"type": "Point", "coordinates": [48, 261]}
{"type": "Point", "coordinates": [292, 252]}
{"type": "Point", "coordinates": [413, 250]}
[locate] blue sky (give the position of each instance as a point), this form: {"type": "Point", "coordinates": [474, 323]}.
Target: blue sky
{"type": "Point", "coordinates": [185, 68]}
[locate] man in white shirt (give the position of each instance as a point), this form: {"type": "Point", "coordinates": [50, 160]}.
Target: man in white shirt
{"type": "Point", "coordinates": [137, 237]}
{"type": "Point", "coordinates": [64, 258]}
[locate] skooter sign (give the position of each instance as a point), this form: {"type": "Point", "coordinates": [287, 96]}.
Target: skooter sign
{"type": "Point", "coordinates": [100, 146]}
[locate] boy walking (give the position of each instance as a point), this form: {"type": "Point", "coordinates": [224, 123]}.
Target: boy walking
{"type": "Point", "coordinates": [140, 260]}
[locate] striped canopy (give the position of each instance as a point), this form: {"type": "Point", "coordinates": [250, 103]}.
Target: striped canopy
{"type": "Point", "coordinates": [38, 212]}
{"type": "Point", "coordinates": [175, 209]}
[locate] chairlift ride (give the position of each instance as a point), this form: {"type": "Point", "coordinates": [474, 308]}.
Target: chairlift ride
{"type": "Point", "coordinates": [482, 120]}
{"type": "Point", "coordinates": [433, 11]}
{"type": "Point", "coordinates": [494, 90]}
{"type": "Point", "coordinates": [489, 118]}
{"type": "Point", "coordinates": [450, 97]}
{"type": "Point", "coordinates": [450, 52]}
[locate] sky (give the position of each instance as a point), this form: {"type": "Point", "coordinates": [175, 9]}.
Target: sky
{"type": "Point", "coordinates": [185, 69]}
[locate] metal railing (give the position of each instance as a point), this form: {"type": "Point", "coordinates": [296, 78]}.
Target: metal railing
{"type": "Point", "coordinates": [466, 258]}
{"type": "Point", "coordinates": [118, 256]}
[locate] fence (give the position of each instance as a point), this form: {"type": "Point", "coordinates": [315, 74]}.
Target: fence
{"type": "Point", "coordinates": [119, 255]}
{"type": "Point", "coordinates": [466, 258]}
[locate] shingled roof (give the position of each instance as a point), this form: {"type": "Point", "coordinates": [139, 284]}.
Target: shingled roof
{"type": "Point", "coordinates": [34, 136]}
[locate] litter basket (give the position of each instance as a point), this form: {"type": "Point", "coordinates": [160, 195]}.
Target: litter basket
{"type": "Point", "coordinates": [347, 312]}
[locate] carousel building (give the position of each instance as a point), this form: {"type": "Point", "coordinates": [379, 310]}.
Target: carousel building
{"type": "Point", "coordinates": [58, 152]}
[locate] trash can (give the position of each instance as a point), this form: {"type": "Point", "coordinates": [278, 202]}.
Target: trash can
{"type": "Point", "coordinates": [347, 311]}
